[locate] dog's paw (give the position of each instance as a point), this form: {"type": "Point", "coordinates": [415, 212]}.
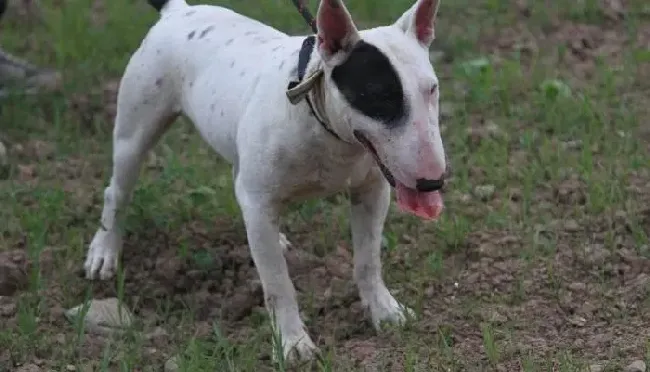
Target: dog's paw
{"type": "Point", "coordinates": [298, 348]}
{"type": "Point", "coordinates": [102, 257]}
{"type": "Point", "coordinates": [284, 242]}
{"type": "Point", "coordinates": [384, 308]}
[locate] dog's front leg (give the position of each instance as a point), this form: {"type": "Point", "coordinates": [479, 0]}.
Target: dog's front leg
{"type": "Point", "coordinates": [261, 221]}
{"type": "Point", "coordinates": [369, 208]}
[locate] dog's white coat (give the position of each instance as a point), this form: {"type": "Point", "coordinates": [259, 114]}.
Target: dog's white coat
{"type": "Point", "coordinates": [228, 74]}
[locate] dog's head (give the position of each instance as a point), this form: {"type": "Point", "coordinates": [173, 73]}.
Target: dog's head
{"type": "Point", "coordinates": [386, 93]}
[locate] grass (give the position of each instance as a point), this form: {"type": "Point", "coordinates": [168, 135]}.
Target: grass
{"type": "Point", "coordinates": [546, 106]}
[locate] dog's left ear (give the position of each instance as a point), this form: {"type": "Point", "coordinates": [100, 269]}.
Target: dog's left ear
{"type": "Point", "coordinates": [419, 21]}
{"type": "Point", "coordinates": [337, 33]}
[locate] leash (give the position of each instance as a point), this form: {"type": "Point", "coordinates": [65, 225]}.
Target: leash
{"type": "Point", "coordinates": [306, 14]}
{"type": "Point", "coordinates": [299, 90]}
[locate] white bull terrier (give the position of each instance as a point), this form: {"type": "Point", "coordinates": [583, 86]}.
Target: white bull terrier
{"type": "Point", "coordinates": [364, 119]}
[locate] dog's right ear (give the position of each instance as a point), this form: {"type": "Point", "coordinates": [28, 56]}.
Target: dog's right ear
{"type": "Point", "coordinates": [337, 33]}
{"type": "Point", "coordinates": [419, 21]}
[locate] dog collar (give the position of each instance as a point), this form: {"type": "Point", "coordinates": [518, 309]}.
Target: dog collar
{"type": "Point", "coordinates": [299, 90]}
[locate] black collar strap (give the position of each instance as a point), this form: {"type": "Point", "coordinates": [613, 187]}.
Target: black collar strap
{"type": "Point", "coordinates": [303, 60]}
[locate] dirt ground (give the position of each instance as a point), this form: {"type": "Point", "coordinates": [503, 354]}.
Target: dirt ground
{"type": "Point", "coordinates": [551, 275]}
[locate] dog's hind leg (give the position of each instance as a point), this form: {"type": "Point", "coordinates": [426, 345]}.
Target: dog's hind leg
{"type": "Point", "coordinates": [145, 109]}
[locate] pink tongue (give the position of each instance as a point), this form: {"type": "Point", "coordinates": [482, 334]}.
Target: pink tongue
{"type": "Point", "coordinates": [427, 205]}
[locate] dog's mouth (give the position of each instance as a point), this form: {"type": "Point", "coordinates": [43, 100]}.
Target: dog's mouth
{"type": "Point", "coordinates": [368, 145]}
{"type": "Point", "coordinates": [426, 205]}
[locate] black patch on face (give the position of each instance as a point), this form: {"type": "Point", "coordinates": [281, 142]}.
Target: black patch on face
{"type": "Point", "coordinates": [205, 32]}
{"type": "Point", "coordinates": [191, 35]}
{"type": "Point", "coordinates": [369, 82]}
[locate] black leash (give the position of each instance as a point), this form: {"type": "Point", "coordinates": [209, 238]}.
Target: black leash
{"type": "Point", "coordinates": [303, 59]}
{"type": "Point", "coordinates": [306, 14]}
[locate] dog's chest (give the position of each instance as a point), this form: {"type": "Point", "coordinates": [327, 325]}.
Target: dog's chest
{"type": "Point", "coordinates": [317, 170]}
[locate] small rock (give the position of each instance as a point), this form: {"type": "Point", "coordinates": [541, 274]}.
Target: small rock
{"type": "Point", "coordinates": [595, 368]}
{"type": "Point", "coordinates": [4, 159]}
{"type": "Point", "coordinates": [172, 364]}
{"type": "Point", "coordinates": [572, 145]}
{"type": "Point", "coordinates": [636, 366]}
{"type": "Point", "coordinates": [154, 161]}
{"type": "Point", "coordinates": [493, 130]}
{"type": "Point", "coordinates": [596, 254]}
{"type": "Point", "coordinates": [29, 368]}
{"type": "Point", "coordinates": [571, 226]}
{"type": "Point", "coordinates": [70, 368]}
{"type": "Point", "coordinates": [103, 317]}
{"type": "Point", "coordinates": [8, 310]}
{"type": "Point", "coordinates": [40, 149]}
{"type": "Point", "coordinates": [614, 10]}
{"type": "Point", "coordinates": [26, 172]}
{"type": "Point", "coordinates": [158, 332]}
{"type": "Point", "coordinates": [577, 286]}
{"type": "Point", "coordinates": [484, 192]}
{"type": "Point", "coordinates": [12, 276]}
{"type": "Point", "coordinates": [577, 321]}
{"type": "Point", "coordinates": [495, 317]}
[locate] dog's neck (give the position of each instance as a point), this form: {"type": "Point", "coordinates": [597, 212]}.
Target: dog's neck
{"type": "Point", "coordinates": [312, 87]}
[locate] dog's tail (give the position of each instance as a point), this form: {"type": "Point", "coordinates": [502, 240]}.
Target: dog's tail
{"type": "Point", "coordinates": [166, 5]}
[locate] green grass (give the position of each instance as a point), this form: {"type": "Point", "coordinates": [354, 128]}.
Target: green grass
{"type": "Point", "coordinates": [565, 151]}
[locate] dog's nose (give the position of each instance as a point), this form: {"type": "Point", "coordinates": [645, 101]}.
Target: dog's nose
{"type": "Point", "coordinates": [425, 185]}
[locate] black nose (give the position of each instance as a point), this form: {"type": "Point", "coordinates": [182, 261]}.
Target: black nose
{"type": "Point", "coordinates": [425, 185]}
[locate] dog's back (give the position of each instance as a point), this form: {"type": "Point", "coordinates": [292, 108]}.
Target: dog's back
{"type": "Point", "coordinates": [211, 60]}
{"type": "Point", "coordinates": [210, 33]}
